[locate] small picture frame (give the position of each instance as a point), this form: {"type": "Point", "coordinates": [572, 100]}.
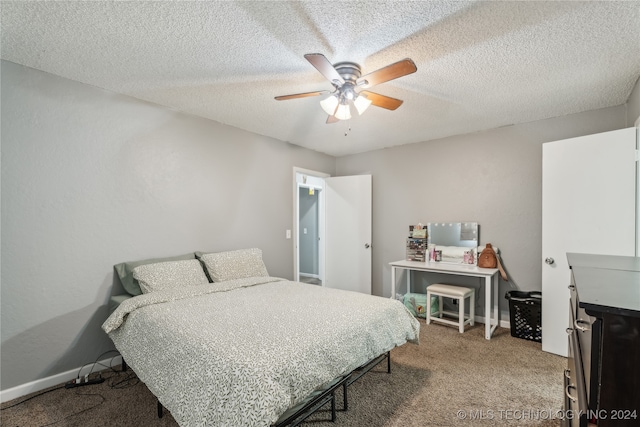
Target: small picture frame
{"type": "Point", "coordinates": [419, 233]}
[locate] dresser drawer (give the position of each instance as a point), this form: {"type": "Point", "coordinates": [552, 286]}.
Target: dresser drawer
{"type": "Point", "coordinates": [575, 396]}
{"type": "Point", "coordinates": [587, 330]}
{"type": "Point", "coordinates": [571, 406]}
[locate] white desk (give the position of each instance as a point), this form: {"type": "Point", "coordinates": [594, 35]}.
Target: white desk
{"type": "Point", "coordinates": [490, 276]}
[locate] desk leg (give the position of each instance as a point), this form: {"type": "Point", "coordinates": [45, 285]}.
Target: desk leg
{"type": "Point", "coordinates": [408, 281]}
{"type": "Point", "coordinates": [492, 320]}
{"type": "Point", "coordinates": [487, 308]}
{"type": "Point", "coordinates": [496, 301]}
{"type": "Point", "coordinates": [393, 282]}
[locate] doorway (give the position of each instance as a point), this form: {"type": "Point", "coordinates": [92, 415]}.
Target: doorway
{"type": "Point", "coordinates": [341, 247]}
{"type": "Point", "coordinates": [308, 233]}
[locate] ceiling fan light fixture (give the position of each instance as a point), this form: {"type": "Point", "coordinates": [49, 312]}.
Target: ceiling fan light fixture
{"type": "Point", "coordinates": [349, 93]}
{"type": "Point", "coordinates": [346, 77]}
{"type": "Point", "coordinates": [329, 104]}
{"type": "Point", "coordinates": [361, 103]}
{"type": "Point", "coordinates": [343, 112]}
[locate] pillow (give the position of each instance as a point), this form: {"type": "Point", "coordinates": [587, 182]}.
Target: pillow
{"type": "Point", "coordinates": [231, 265]}
{"type": "Point", "coordinates": [125, 271]}
{"type": "Point", "coordinates": [170, 274]}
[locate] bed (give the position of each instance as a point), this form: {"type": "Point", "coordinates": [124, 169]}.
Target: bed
{"type": "Point", "coordinates": [230, 345]}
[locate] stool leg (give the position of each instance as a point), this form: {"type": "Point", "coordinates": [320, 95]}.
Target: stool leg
{"type": "Point", "coordinates": [472, 308]}
{"type": "Point", "coordinates": [440, 306]}
{"type": "Point", "coordinates": [428, 307]}
{"type": "Point", "coordinates": [461, 314]}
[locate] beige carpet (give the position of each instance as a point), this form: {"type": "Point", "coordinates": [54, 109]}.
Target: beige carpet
{"type": "Point", "coordinates": [449, 379]}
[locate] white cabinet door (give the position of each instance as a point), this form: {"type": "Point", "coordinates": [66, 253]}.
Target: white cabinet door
{"type": "Point", "coordinates": [588, 206]}
{"type": "Point", "coordinates": [348, 233]}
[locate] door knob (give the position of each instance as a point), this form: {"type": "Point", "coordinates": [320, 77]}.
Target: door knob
{"type": "Point", "coordinates": [549, 260]}
{"type": "Point", "coordinates": [366, 246]}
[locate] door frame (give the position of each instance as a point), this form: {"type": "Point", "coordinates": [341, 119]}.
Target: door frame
{"type": "Point", "coordinates": [296, 220]}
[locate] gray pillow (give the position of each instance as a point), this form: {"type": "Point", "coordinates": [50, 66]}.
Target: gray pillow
{"type": "Point", "coordinates": [125, 271]}
{"type": "Point", "coordinates": [232, 265]}
{"type": "Point", "coordinates": [170, 274]}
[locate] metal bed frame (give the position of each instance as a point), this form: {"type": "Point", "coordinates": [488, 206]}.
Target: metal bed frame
{"type": "Point", "coordinates": [326, 396]}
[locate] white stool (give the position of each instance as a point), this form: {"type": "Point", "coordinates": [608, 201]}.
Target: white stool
{"type": "Point", "coordinates": [456, 292]}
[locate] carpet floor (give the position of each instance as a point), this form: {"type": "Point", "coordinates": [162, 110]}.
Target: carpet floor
{"type": "Point", "coordinates": [450, 379]}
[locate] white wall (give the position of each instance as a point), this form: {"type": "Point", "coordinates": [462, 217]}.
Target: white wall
{"type": "Point", "coordinates": [492, 177]}
{"type": "Point", "coordinates": [91, 179]}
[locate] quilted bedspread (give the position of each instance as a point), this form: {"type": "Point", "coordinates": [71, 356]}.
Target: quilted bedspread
{"type": "Point", "coordinates": [239, 353]}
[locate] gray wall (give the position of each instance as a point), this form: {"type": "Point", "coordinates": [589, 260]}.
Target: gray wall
{"type": "Point", "coordinates": [492, 177]}
{"type": "Point", "coordinates": [633, 105]}
{"type": "Point", "coordinates": [91, 179]}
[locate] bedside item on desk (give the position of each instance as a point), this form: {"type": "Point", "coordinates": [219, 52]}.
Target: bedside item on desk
{"type": "Point", "coordinates": [418, 231]}
{"type": "Point", "coordinates": [417, 243]}
{"type": "Point", "coordinates": [452, 254]}
{"type": "Point", "coordinates": [416, 249]}
{"type": "Point", "coordinates": [488, 258]}
{"type": "Point", "coordinates": [468, 257]}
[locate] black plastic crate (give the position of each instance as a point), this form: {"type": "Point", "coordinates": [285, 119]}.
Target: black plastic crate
{"type": "Point", "coordinates": [525, 309]}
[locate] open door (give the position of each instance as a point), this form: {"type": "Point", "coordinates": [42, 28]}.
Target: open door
{"type": "Point", "coordinates": [348, 233]}
{"type": "Point", "coordinates": [588, 206]}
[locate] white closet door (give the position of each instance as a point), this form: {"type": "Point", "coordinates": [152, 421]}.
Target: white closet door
{"type": "Point", "coordinates": [588, 206]}
{"type": "Point", "coordinates": [348, 233]}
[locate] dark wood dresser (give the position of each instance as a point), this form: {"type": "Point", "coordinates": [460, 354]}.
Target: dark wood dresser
{"type": "Point", "coordinates": [602, 379]}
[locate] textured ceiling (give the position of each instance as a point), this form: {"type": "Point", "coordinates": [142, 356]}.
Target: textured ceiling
{"type": "Point", "coordinates": [481, 65]}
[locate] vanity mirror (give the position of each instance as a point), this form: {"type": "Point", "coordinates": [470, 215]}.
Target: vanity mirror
{"type": "Point", "coordinates": [453, 239]}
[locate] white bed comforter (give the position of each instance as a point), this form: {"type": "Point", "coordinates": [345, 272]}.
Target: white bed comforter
{"type": "Point", "coordinates": [239, 353]}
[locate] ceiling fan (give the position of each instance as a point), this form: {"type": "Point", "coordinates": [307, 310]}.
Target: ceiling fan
{"type": "Point", "coordinates": [348, 82]}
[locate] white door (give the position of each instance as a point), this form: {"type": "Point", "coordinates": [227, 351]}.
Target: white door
{"type": "Point", "coordinates": [588, 206]}
{"type": "Point", "coordinates": [348, 233]}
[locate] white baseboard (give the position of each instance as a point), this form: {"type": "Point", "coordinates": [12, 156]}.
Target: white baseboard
{"type": "Point", "coordinates": [503, 323]}
{"type": "Point", "coordinates": [61, 378]}
{"type": "Point", "coordinates": [481, 319]}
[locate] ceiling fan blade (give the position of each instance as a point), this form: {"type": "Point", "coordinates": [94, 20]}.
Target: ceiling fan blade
{"type": "Point", "coordinates": [301, 95]}
{"type": "Point", "coordinates": [382, 100]}
{"type": "Point", "coordinates": [390, 72]}
{"type": "Point", "coordinates": [332, 119]}
{"type": "Point", "coordinates": [325, 67]}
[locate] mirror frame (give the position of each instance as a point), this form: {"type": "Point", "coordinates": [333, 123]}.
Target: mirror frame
{"type": "Point", "coordinates": [456, 239]}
